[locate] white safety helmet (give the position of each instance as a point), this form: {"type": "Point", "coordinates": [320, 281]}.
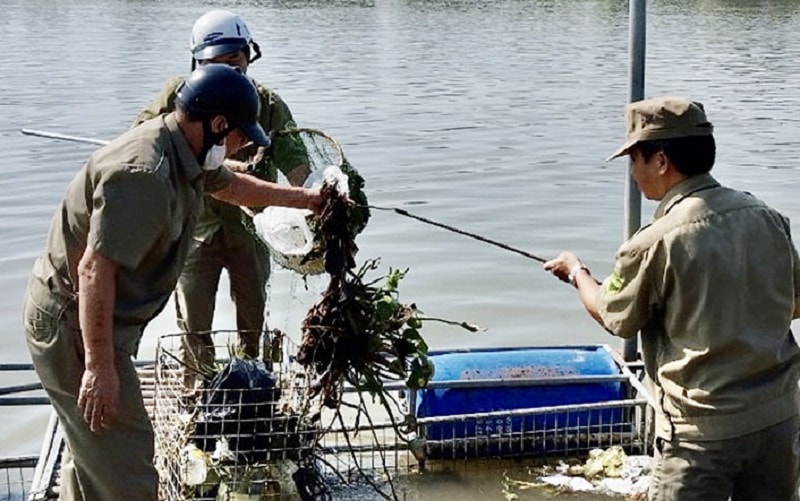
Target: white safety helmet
{"type": "Point", "coordinates": [219, 32]}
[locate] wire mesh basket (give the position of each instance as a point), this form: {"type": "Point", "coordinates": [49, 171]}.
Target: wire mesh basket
{"type": "Point", "coordinates": [272, 442]}
{"type": "Point", "coordinates": [241, 434]}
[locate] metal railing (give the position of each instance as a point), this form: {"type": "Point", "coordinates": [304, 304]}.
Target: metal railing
{"type": "Point", "coordinates": [17, 473]}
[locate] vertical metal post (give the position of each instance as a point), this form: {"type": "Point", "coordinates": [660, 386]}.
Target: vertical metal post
{"type": "Point", "coordinates": [636, 62]}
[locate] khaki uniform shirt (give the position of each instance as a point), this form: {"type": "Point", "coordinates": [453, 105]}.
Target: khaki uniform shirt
{"type": "Point", "coordinates": [712, 283]}
{"type": "Point", "coordinates": [286, 153]}
{"type": "Point", "coordinates": [135, 201]}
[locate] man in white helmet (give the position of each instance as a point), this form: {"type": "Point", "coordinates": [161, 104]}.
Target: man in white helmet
{"type": "Point", "coordinates": [222, 238]}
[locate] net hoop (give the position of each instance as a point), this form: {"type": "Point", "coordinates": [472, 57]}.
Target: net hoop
{"type": "Point", "coordinates": [294, 241]}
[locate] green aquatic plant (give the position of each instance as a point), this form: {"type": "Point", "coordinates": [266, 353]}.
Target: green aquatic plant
{"type": "Point", "coordinates": [360, 337]}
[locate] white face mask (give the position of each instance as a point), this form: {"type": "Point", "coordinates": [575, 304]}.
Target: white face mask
{"type": "Point", "coordinates": [214, 157]}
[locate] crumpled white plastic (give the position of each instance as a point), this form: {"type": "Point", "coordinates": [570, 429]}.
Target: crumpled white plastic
{"type": "Point", "coordinates": [330, 175]}
{"type": "Point", "coordinates": [286, 231]}
{"type": "Point", "coordinates": [194, 468]}
{"type": "Point", "coordinates": [606, 471]}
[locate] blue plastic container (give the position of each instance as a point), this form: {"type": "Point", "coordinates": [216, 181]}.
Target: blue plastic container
{"type": "Point", "coordinates": [508, 364]}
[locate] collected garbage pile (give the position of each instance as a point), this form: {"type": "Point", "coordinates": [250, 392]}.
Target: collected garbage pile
{"type": "Point", "coordinates": [609, 472]}
{"type": "Point", "coordinates": [241, 436]}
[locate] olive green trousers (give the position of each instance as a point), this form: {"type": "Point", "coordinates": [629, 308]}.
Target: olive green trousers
{"type": "Point", "coordinates": [761, 466]}
{"type": "Point", "coordinates": [115, 464]}
{"type": "Point", "coordinates": [248, 269]}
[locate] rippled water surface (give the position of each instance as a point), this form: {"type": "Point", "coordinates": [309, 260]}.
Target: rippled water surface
{"type": "Point", "coordinates": [494, 117]}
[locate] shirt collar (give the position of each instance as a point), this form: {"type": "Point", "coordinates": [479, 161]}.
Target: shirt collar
{"type": "Point", "coordinates": [682, 190]}
{"type": "Point", "coordinates": [187, 159]}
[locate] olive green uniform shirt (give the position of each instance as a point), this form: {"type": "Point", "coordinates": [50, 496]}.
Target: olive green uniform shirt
{"type": "Point", "coordinates": [285, 153]}
{"type": "Point", "coordinates": [712, 284]}
{"type": "Point", "coordinates": [135, 201]}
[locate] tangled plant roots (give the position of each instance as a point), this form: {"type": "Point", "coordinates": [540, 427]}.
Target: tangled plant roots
{"type": "Point", "coordinates": [360, 334]}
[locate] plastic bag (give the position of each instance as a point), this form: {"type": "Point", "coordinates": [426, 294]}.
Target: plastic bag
{"type": "Point", "coordinates": [331, 175]}
{"type": "Point", "coordinates": [287, 233]}
{"type": "Point", "coordinates": [285, 230]}
{"type": "Point", "coordinates": [238, 405]}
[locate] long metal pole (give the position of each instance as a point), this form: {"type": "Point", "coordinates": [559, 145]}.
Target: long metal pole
{"type": "Point", "coordinates": [63, 137]}
{"type": "Point", "coordinates": [633, 199]}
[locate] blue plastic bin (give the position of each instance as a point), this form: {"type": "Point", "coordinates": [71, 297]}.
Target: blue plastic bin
{"type": "Point", "coordinates": [509, 364]}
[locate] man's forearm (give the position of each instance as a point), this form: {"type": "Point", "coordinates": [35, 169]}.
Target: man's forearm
{"type": "Point", "coordinates": [250, 191]}
{"type": "Point", "coordinates": [587, 292]}
{"type": "Point", "coordinates": [97, 293]}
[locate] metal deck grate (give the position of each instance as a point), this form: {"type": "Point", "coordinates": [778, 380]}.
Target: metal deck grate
{"type": "Point", "coordinates": [16, 475]}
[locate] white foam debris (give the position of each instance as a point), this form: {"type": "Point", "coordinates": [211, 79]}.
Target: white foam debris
{"type": "Point", "coordinates": [606, 471]}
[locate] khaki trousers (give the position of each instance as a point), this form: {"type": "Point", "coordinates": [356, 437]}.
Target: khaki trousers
{"type": "Point", "coordinates": [116, 464]}
{"type": "Point", "coordinates": [761, 466]}
{"type": "Point", "coordinates": [195, 295]}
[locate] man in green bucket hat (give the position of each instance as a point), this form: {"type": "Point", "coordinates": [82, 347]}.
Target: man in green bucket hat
{"type": "Point", "coordinates": [712, 284]}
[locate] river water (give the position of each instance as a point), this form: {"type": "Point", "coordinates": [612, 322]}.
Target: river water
{"type": "Point", "coordinates": [491, 116]}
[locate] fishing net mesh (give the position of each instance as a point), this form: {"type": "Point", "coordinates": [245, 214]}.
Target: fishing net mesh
{"type": "Point", "coordinates": [294, 236]}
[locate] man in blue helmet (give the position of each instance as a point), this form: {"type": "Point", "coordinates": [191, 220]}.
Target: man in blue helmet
{"type": "Point", "coordinates": [115, 249]}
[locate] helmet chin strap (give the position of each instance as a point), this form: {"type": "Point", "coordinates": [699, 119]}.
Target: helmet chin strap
{"type": "Point", "coordinates": [256, 52]}
{"type": "Point", "coordinates": [210, 138]}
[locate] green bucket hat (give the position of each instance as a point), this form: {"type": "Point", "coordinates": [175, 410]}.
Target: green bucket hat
{"type": "Point", "coordinates": [663, 118]}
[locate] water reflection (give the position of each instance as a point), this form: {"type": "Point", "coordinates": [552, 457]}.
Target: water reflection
{"type": "Point", "coordinates": [494, 117]}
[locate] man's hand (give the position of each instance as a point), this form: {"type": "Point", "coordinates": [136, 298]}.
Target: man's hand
{"type": "Point", "coordinates": [568, 268]}
{"type": "Point", "coordinates": [562, 264]}
{"type": "Point", "coordinates": [99, 397]}
{"type": "Point", "coordinates": [237, 165]}
{"type": "Point", "coordinates": [315, 202]}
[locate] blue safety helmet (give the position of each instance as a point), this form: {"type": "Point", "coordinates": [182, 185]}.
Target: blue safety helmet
{"type": "Point", "coordinates": [219, 89]}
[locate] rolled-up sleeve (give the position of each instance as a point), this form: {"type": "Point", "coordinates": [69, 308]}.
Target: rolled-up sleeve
{"type": "Point", "coordinates": [795, 269]}
{"type": "Point", "coordinates": [217, 179]}
{"type": "Point", "coordinates": [627, 298]}
{"type": "Point", "coordinates": [129, 213]}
